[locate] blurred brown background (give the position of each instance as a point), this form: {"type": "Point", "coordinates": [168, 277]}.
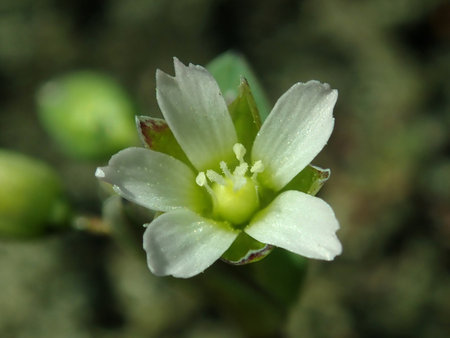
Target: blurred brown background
{"type": "Point", "coordinates": [390, 183]}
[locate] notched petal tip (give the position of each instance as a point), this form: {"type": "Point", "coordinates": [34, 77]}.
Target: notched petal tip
{"type": "Point", "coordinates": [320, 87]}
{"type": "Point", "coordinates": [99, 173]}
{"type": "Point", "coordinates": [178, 66]}
{"type": "Point", "coordinates": [324, 85]}
{"type": "Point", "coordinates": [162, 77]}
{"type": "Point", "coordinates": [337, 251]}
{"type": "Point", "coordinates": [181, 68]}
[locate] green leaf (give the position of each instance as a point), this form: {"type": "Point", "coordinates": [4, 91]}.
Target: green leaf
{"type": "Point", "coordinates": [309, 180]}
{"type": "Point", "coordinates": [236, 293]}
{"type": "Point", "coordinates": [227, 69]}
{"type": "Point", "coordinates": [257, 296]}
{"type": "Point", "coordinates": [282, 275]}
{"type": "Point", "coordinates": [245, 115]}
{"type": "Point", "coordinates": [156, 135]}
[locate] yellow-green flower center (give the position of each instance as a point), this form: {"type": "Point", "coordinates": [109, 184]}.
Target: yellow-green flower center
{"type": "Point", "coordinates": [235, 206]}
{"type": "Point", "coordinates": [234, 194]}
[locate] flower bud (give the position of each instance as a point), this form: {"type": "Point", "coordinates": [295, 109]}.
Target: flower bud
{"type": "Point", "coordinates": [87, 114]}
{"type": "Point", "coordinates": [30, 197]}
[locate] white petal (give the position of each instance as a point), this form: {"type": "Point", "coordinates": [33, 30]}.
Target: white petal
{"type": "Point", "coordinates": [296, 130]}
{"type": "Point", "coordinates": [197, 114]}
{"type": "Point", "coordinates": [154, 180]}
{"type": "Point", "coordinates": [182, 244]}
{"type": "Point", "coordinates": [300, 223]}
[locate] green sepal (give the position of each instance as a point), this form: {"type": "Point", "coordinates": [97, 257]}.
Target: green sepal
{"type": "Point", "coordinates": [246, 250]}
{"type": "Point", "coordinates": [310, 180]}
{"type": "Point", "coordinates": [156, 135]}
{"type": "Point", "coordinates": [245, 115]}
{"type": "Point", "coordinates": [227, 69]}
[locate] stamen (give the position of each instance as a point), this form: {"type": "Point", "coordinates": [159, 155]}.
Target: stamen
{"type": "Point", "coordinates": [225, 170]}
{"type": "Point", "coordinates": [240, 170]}
{"type": "Point", "coordinates": [239, 150]}
{"type": "Point", "coordinates": [257, 167]}
{"type": "Point", "coordinates": [215, 177]}
{"type": "Point", "coordinates": [201, 181]}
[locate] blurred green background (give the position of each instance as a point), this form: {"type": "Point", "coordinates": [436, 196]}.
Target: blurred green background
{"type": "Point", "coordinates": [390, 182]}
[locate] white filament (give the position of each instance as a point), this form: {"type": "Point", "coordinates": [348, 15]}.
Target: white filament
{"type": "Point", "coordinates": [201, 181]}
{"type": "Point", "coordinates": [215, 177]}
{"type": "Point", "coordinates": [225, 170]}
{"type": "Point", "coordinates": [257, 167]}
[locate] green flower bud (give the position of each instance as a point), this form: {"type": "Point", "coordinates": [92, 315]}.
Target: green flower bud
{"type": "Point", "coordinates": [88, 114]}
{"type": "Point", "coordinates": [30, 197]}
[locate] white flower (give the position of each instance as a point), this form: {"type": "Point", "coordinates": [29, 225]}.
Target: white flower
{"type": "Point", "coordinates": [225, 190]}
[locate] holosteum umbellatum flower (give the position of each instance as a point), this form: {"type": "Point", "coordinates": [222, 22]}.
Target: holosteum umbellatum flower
{"type": "Point", "coordinates": [211, 190]}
